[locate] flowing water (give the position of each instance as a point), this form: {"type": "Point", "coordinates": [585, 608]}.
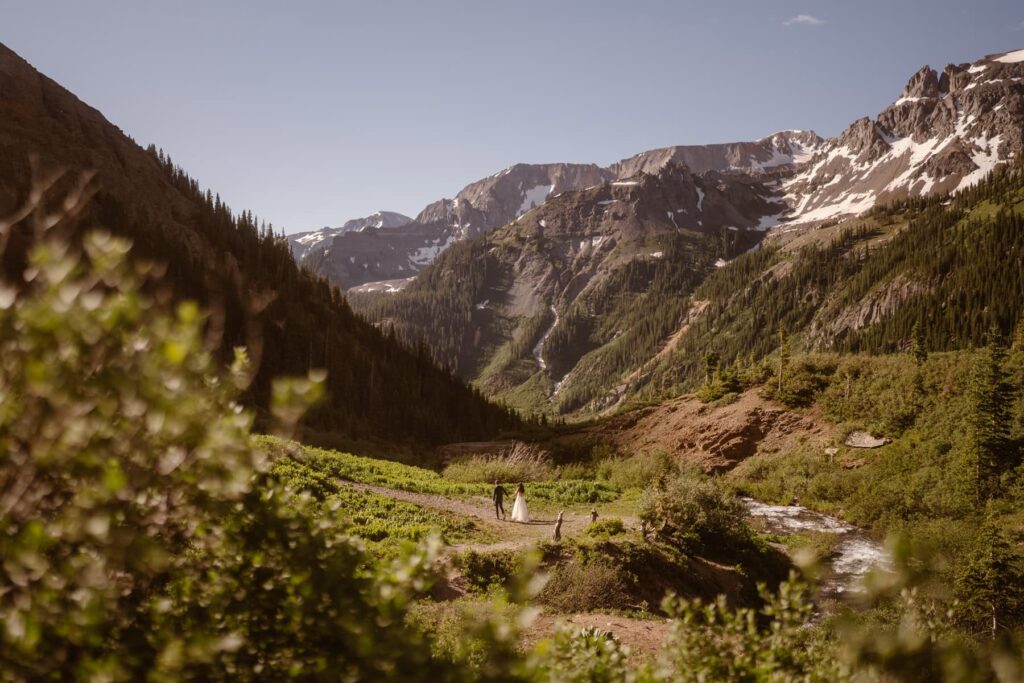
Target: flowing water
{"type": "Point", "coordinates": [856, 552]}
{"type": "Point", "coordinates": [538, 350]}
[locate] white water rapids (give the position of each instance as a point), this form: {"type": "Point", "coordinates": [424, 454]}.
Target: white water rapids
{"type": "Point", "coordinates": [856, 552]}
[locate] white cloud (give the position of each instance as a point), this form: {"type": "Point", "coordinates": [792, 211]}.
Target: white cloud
{"type": "Point", "coordinates": [804, 19]}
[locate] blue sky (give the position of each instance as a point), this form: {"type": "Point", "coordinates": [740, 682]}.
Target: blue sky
{"type": "Point", "coordinates": [311, 113]}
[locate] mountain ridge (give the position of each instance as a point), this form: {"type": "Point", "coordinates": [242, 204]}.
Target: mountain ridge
{"type": "Point", "coordinates": [919, 144]}
{"type": "Point", "coordinates": [570, 306]}
{"type": "Point", "coordinates": [237, 268]}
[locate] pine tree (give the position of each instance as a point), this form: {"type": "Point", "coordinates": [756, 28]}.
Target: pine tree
{"type": "Point", "coordinates": [917, 347]}
{"type": "Point", "coordinates": [988, 433]}
{"type": "Point", "coordinates": [783, 353]}
{"type": "Point", "coordinates": [711, 362]}
{"type": "Point", "coordinates": [990, 587]}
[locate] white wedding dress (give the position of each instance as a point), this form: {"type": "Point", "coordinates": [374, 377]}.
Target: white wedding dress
{"type": "Point", "coordinates": [519, 513]}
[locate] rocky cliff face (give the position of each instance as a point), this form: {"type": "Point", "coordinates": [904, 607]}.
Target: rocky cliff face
{"type": "Point", "coordinates": [944, 133]}
{"type": "Point", "coordinates": [780, 151]}
{"type": "Point", "coordinates": [567, 278]}
{"type": "Point", "coordinates": [380, 253]}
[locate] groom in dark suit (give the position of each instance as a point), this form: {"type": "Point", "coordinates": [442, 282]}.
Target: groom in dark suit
{"type": "Point", "coordinates": [498, 496]}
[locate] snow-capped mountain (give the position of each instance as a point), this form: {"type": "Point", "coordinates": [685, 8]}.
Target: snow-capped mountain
{"type": "Point", "coordinates": [371, 256]}
{"type": "Point", "coordinates": [569, 259]}
{"type": "Point", "coordinates": [304, 244]}
{"type": "Point", "coordinates": [584, 299]}
{"type": "Point", "coordinates": [944, 132]}
{"type": "Point", "coordinates": [782, 150]}
{"type": "Point", "coordinates": [375, 254]}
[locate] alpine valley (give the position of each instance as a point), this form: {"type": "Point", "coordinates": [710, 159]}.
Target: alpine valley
{"type": "Point", "coordinates": [761, 404]}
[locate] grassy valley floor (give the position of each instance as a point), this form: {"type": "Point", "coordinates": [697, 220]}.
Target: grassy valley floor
{"type": "Point", "coordinates": [780, 444]}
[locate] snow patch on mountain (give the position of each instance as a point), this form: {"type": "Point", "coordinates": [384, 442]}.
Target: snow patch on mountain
{"type": "Point", "coordinates": [425, 255]}
{"type": "Point", "coordinates": [534, 197]}
{"type": "Point", "coordinates": [986, 159]}
{"type": "Point", "coordinates": [305, 244]}
{"type": "Point", "coordinates": [1011, 57]}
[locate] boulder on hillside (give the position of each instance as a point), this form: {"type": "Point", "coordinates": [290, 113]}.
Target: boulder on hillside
{"type": "Point", "coordinates": [865, 440]}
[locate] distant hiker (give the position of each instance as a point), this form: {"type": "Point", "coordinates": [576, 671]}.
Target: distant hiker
{"type": "Point", "coordinates": [593, 516]}
{"type": "Point", "coordinates": [556, 535]}
{"type": "Point", "coordinates": [498, 496]}
{"type": "Point", "coordinates": [519, 513]}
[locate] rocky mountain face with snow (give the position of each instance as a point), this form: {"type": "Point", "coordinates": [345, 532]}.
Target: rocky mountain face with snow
{"type": "Point", "coordinates": [305, 245]}
{"type": "Point", "coordinates": [781, 151]}
{"type": "Point", "coordinates": [944, 132]}
{"type": "Point", "coordinates": [389, 256]}
{"type": "Point", "coordinates": [552, 286]}
{"type": "Point", "coordinates": [380, 253]}
{"type": "Point", "coordinates": [574, 302]}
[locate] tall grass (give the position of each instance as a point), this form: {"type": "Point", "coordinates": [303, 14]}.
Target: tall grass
{"type": "Point", "coordinates": [520, 463]}
{"type": "Point", "coordinates": [637, 472]}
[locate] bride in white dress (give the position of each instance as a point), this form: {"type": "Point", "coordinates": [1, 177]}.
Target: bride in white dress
{"type": "Point", "coordinates": [519, 513]}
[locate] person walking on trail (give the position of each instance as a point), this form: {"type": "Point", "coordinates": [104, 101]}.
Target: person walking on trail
{"type": "Point", "coordinates": [498, 496]}
{"type": "Point", "coordinates": [519, 513]}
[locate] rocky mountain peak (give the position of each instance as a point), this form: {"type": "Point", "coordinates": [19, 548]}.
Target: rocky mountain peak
{"type": "Point", "coordinates": [954, 78]}
{"type": "Point", "coordinates": [924, 83]}
{"type": "Point", "coordinates": [310, 244]}
{"type": "Point", "coordinates": [864, 140]}
{"type": "Point", "coordinates": [945, 132]}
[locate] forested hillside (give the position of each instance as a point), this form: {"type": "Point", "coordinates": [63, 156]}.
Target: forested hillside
{"type": "Point", "coordinates": [553, 305]}
{"type": "Point", "coordinates": [950, 267]}
{"type": "Point", "coordinates": [290, 320]}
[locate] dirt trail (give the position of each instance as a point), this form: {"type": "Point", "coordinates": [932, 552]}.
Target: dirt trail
{"type": "Point", "coordinates": [644, 637]}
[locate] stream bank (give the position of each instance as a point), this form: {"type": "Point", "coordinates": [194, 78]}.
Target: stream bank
{"type": "Point", "coordinates": [856, 553]}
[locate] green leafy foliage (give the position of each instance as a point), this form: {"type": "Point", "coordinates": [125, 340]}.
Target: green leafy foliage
{"type": "Point", "coordinates": [587, 582]}
{"type": "Point", "coordinates": [587, 655]}
{"type": "Point", "coordinates": [918, 641]}
{"type": "Point", "coordinates": [711, 642]}
{"type": "Point", "coordinates": [694, 512]}
{"type": "Point", "coordinates": [989, 585]}
{"type": "Point", "coordinates": [988, 447]}
{"type": "Point", "coordinates": [635, 472]}
{"type": "Point", "coordinates": [605, 528]}
{"type": "Point", "coordinates": [521, 463]}
{"type": "Point", "coordinates": [487, 570]}
{"type": "Point", "coordinates": [141, 537]}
